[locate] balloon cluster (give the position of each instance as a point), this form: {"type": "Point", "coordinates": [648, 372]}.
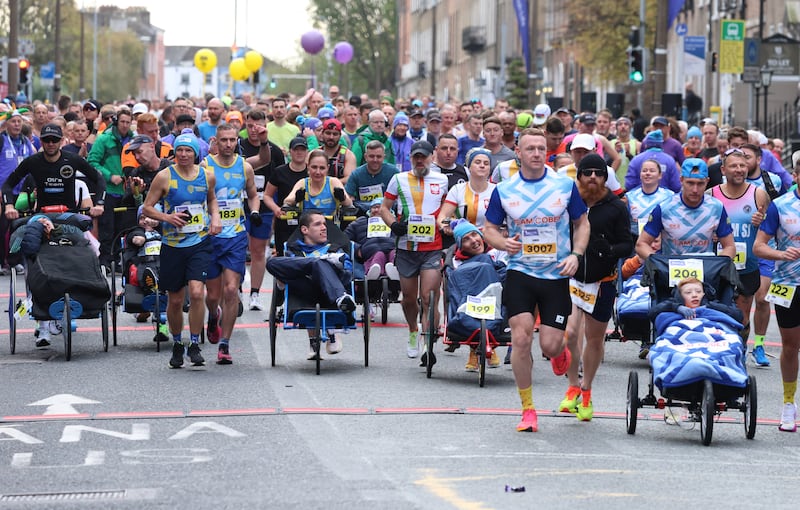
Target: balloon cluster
{"type": "Point", "coordinates": [313, 42]}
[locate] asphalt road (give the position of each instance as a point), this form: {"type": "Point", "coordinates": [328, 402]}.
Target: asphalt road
{"type": "Point", "coordinates": [133, 433]}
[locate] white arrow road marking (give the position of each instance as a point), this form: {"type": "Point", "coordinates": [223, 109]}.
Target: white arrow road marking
{"type": "Point", "coordinates": [62, 404]}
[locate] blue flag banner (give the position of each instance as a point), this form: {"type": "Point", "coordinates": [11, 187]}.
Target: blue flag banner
{"type": "Point", "coordinates": [521, 8]}
{"type": "Point", "coordinates": [674, 8]}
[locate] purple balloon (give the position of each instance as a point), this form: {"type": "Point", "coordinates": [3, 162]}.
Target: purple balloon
{"type": "Point", "coordinates": [313, 42]}
{"type": "Point", "coordinates": [343, 52]}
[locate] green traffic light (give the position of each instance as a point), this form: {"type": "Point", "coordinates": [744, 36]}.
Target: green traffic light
{"type": "Point", "coordinates": [636, 77]}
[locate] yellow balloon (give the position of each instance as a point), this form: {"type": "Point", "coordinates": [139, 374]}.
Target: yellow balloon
{"type": "Point", "coordinates": [205, 60]}
{"type": "Point", "coordinates": [238, 70]}
{"type": "Point", "coordinates": [253, 61]}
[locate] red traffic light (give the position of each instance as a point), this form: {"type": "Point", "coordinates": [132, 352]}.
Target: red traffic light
{"type": "Point", "coordinates": [24, 63]}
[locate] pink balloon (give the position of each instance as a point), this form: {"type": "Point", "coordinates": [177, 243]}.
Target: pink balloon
{"type": "Point", "coordinates": [343, 52]}
{"type": "Point", "coordinates": [312, 41]}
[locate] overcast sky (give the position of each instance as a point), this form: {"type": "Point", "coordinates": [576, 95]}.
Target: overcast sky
{"type": "Point", "coordinates": [212, 23]}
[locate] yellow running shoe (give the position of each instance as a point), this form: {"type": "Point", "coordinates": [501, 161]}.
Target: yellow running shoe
{"type": "Point", "coordinates": [585, 411]}
{"type": "Point", "coordinates": [570, 401]}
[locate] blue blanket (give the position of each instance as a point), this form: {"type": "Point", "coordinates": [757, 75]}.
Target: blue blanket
{"type": "Point", "coordinates": [691, 350]}
{"type": "Point", "coordinates": [634, 301]}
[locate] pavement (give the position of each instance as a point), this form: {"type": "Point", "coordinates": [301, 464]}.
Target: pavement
{"type": "Point", "coordinates": [119, 429]}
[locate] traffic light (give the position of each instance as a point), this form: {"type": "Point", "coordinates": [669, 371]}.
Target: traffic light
{"type": "Point", "coordinates": [636, 65]}
{"type": "Point", "coordinates": [24, 67]}
{"type": "Point", "coordinates": [714, 60]}
{"type": "Point", "coordinates": [273, 84]}
{"type": "Point", "coordinates": [634, 38]}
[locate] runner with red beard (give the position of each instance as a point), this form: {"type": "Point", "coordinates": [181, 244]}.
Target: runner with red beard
{"type": "Point", "coordinates": [592, 287]}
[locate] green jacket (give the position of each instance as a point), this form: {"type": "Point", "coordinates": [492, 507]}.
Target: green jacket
{"type": "Point", "coordinates": [366, 136]}
{"type": "Point", "coordinates": [106, 157]}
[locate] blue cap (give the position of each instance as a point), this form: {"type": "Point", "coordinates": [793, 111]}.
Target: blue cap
{"type": "Point", "coordinates": [326, 113]}
{"type": "Point", "coordinates": [187, 140]}
{"type": "Point", "coordinates": [313, 123]}
{"type": "Point", "coordinates": [654, 138]}
{"type": "Point", "coordinates": [694, 132]}
{"type": "Point", "coordinates": [462, 229]}
{"type": "Point", "coordinates": [694, 168]}
{"type": "Point", "coordinates": [400, 118]}
{"type": "Point", "coordinates": [477, 151]}
{"type": "Point", "coordinates": [417, 103]}
{"type": "Point", "coordinates": [377, 201]}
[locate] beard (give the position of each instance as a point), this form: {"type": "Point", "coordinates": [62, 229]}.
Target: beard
{"type": "Point", "coordinates": [591, 193]}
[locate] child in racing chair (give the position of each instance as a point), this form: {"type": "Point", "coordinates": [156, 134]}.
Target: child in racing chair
{"type": "Point", "coordinates": [689, 300]}
{"type": "Point", "coordinates": [142, 250]}
{"type": "Point", "coordinates": [375, 246]}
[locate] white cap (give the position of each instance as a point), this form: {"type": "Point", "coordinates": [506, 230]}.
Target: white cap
{"type": "Point", "coordinates": [139, 108]}
{"type": "Point", "coordinates": [540, 114]}
{"type": "Point", "coordinates": [795, 158]}
{"type": "Point", "coordinates": [583, 141]}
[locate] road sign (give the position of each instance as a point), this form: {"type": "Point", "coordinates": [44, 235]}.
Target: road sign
{"type": "Point", "coordinates": [24, 46]}
{"type": "Point", "coordinates": [47, 71]}
{"type": "Point", "coordinates": [731, 47]}
{"type": "Point", "coordinates": [752, 73]}
{"type": "Point", "coordinates": [780, 54]}
{"type": "Point", "coordinates": [681, 29]}
{"type": "Point", "coordinates": [694, 55]}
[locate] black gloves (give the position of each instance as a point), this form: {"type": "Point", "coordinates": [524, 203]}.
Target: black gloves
{"type": "Point", "coordinates": [399, 228]}
{"type": "Point", "coordinates": [299, 196]}
{"type": "Point", "coordinates": [255, 219]}
{"type": "Point", "coordinates": [600, 248]}
{"type": "Point", "coordinates": [338, 194]}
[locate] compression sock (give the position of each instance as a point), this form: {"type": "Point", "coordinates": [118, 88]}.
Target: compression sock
{"type": "Point", "coordinates": [177, 339]}
{"type": "Point", "coordinates": [224, 341]}
{"type": "Point", "coordinates": [254, 291]}
{"type": "Point", "coordinates": [194, 338]}
{"type": "Point", "coordinates": [586, 397]}
{"type": "Point", "coordinates": [526, 397]}
{"type": "Point", "coordinates": [789, 389]}
{"type": "Point", "coordinates": [758, 340]}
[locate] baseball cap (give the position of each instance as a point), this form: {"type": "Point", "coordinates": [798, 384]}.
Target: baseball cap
{"type": "Point", "coordinates": [540, 114]}
{"type": "Point", "coordinates": [137, 142]}
{"type": "Point", "coordinates": [92, 104]}
{"type": "Point", "coordinates": [298, 141]}
{"type": "Point", "coordinates": [184, 118]}
{"type": "Point", "coordinates": [417, 103]}
{"type": "Point", "coordinates": [332, 124]}
{"type": "Point", "coordinates": [583, 141]}
{"type": "Point", "coordinates": [795, 158]}
{"type": "Point", "coordinates": [416, 113]}
{"type": "Point", "coordinates": [694, 168]}
{"type": "Point", "coordinates": [139, 108]}
{"type": "Point", "coordinates": [434, 117]}
{"type": "Point", "coordinates": [563, 109]}
{"type": "Point", "coordinates": [377, 201]}
{"type": "Point", "coordinates": [187, 140]}
{"type": "Point", "coordinates": [422, 147]}
{"type": "Point", "coordinates": [659, 120]}
{"type": "Point", "coordinates": [326, 113]}
{"type": "Point", "coordinates": [234, 115]}
{"type": "Point", "coordinates": [312, 123]}
{"type": "Point", "coordinates": [587, 118]}
{"type": "Point", "coordinates": [51, 131]}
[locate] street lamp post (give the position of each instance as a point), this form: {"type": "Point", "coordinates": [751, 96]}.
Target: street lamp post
{"type": "Point", "coordinates": [766, 81]}
{"type": "Point", "coordinates": [757, 116]}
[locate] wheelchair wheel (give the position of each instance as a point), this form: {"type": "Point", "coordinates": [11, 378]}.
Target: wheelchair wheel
{"type": "Point", "coordinates": [104, 327]}
{"type": "Point", "coordinates": [482, 341]}
{"type": "Point", "coordinates": [317, 344]}
{"type": "Point", "coordinates": [431, 336]}
{"type": "Point", "coordinates": [707, 411]}
{"type": "Point", "coordinates": [367, 323]}
{"type": "Point", "coordinates": [12, 306]}
{"type": "Point", "coordinates": [384, 300]}
{"type": "Point", "coordinates": [114, 303]}
{"type": "Point", "coordinates": [632, 404]}
{"type": "Point", "coordinates": [273, 322]}
{"type": "Point", "coordinates": [67, 327]}
{"type": "Point", "coordinates": [750, 408]}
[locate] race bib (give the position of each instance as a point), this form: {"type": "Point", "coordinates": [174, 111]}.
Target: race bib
{"type": "Point", "coordinates": [583, 295]}
{"type": "Point", "coordinates": [291, 217]}
{"type": "Point", "coordinates": [539, 243]}
{"type": "Point", "coordinates": [421, 228]}
{"type": "Point", "coordinates": [152, 248]}
{"type": "Point", "coordinates": [780, 295]}
{"type": "Point", "coordinates": [370, 193]}
{"type": "Point", "coordinates": [680, 269]}
{"type": "Point", "coordinates": [195, 223]}
{"type": "Point", "coordinates": [481, 307]}
{"type": "Point", "coordinates": [260, 181]}
{"type": "Point", "coordinates": [230, 212]}
{"type": "Point", "coordinates": [23, 308]}
{"type": "Point", "coordinates": [377, 228]}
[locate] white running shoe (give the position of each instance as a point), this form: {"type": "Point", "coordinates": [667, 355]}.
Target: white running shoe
{"type": "Point", "coordinates": [374, 272]}
{"type": "Point", "coordinates": [334, 345]}
{"type": "Point", "coordinates": [391, 271]}
{"type": "Point", "coordinates": [413, 344]}
{"type": "Point", "coordinates": [255, 302]}
{"type": "Point", "coordinates": [788, 418]}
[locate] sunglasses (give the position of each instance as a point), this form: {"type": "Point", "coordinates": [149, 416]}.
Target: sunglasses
{"type": "Point", "coordinates": [593, 171]}
{"type": "Point", "coordinates": [51, 140]}
{"type": "Point", "coordinates": [734, 150]}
